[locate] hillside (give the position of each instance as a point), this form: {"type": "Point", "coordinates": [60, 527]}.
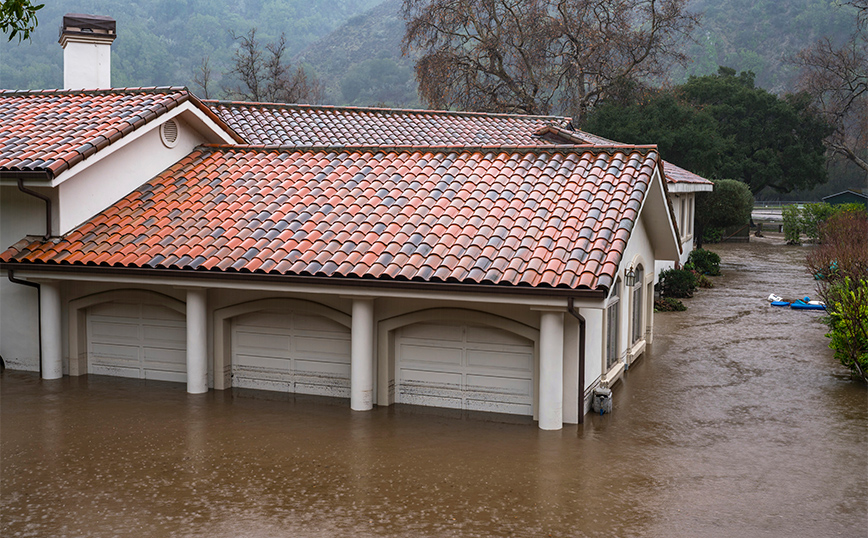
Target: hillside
{"type": "Point", "coordinates": [354, 45]}
{"type": "Point", "coordinates": [361, 62]}
{"type": "Point", "coordinates": [759, 35]}
{"type": "Point", "coordinates": [160, 42]}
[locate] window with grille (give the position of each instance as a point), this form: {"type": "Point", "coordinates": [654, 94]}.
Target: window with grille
{"type": "Point", "coordinates": [613, 317]}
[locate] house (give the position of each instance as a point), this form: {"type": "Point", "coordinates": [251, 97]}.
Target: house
{"type": "Point", "coordinates": [847, 197]}
{"type": "Point", "coordinates": [473, 261]}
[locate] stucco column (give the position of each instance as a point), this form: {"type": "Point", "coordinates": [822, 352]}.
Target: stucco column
{"type": "Point", "coordinates": [362, 374]}
{"type": "Point", "coordinates": [197, 341]}
{"type": "Point", "coordinates": [50, 329]}
{"type": "Point", "coordinates": [551, 369]}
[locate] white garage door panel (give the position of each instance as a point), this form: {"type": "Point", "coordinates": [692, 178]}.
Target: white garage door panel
{"type": "Point", "coordinates": [332, 345]}
{"type": "Point", "coordinates": [247, 339]}
{"type": "Point", "coordinates": [446, 380]}
{"type": "Point", "coordinates": [291, 352]}
{"type": "Point", "coordinates": [430, 356]}
{"type": "Point", "coordinates": [502, 362]}
{"type": "Point", "coordinates": [137, 340]}
{"type": "Point", "coordinates": [506, 386]}
{"type": "Point", "coordinates": [474, 368]}
{"type": "Point", "coordinates": [112, 331]}
{"type": "Point", "coordinates": [115, 353]}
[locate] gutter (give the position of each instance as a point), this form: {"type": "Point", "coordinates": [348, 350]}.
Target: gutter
{"type": "Point", "coordinates": [572, 310]}
{"type": "Point", "coordinates": [14, 280]}
{"type": "Point", "coordinates": [310, 280]}
{"type": "Point", "coordinates": [42, 197]}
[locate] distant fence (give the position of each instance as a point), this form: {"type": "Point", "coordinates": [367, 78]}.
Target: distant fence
{"type": "Point", "coordinates": [779, 203]}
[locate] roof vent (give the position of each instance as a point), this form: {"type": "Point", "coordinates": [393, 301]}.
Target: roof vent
{"type": "Point", "coordinates": [169, 133]}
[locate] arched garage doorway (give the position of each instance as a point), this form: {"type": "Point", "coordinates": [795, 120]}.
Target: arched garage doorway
{"type": "Point", "coordinates": [461, 359]}
{"type": "Point", "coordinates": [128, 333]}
{"type": "Point", "coordinates": [284, 345]}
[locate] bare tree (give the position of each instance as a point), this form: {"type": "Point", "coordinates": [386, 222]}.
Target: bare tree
{"type": "Point", "coordinates": [540, 56]}
{"type": "Point", "coordinates": [265, 77]}
{"type": "Point", "coordinates": [202, 77]}
{"type": "Point", "coordinates": [837, 79]}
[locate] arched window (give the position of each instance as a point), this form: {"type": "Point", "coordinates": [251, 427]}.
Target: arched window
{"type": "Point", "coordinates": [613, 318]}
{"type": "Point", "coordinates": [638, 305]}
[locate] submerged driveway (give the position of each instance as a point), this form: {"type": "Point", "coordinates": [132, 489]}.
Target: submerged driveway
{"type": "Point", "coordinates": [737, 422]}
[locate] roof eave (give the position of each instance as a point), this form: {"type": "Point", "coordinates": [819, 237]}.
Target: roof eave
{"type": "Point", "coordinates": [367, 283]}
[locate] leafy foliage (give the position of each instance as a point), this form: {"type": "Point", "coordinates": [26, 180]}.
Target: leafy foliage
{"type": "Point", "coordinates": [677, 283]}
{"type": "Point", "coordinates": [840, 265]}
{"type": "Point", "coordinates": [722, 126]}
{"type": "Point", "coordinates": [540, 56]}
{"type": "Point", "coordinates": [792, 224]}
{"type": "Point", "coordinates": [848, 321]}
{"type": "Point", "coordinates": [811, 217]}
{"type": "Point", "coordinates": [18, 17]}
{"type": "Point", "coordinates": [769, 141]}
{"type": "Point", "coordinates": [705, 262]}
{"type": "Point", "coordinates": [729, 204]}
{"type": "Point", "coordinates": [668, 304]}
{"type": "Point", "coordinates": [809, 220]}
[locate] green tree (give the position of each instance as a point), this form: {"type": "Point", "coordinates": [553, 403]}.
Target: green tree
{"type": "Point", "coordinates": [685, 135]}
{"type": "Point", "coordinates": [729, 204]}
{"type": "Point", "coordinates": [770, 141]}
{"type": "Point", "coordinates": [722, 126]}
{"type": "Point", "coordinates": [18, 17]}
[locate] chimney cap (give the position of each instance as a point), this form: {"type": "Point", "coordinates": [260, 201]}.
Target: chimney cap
{"type": "Point", "coordinates": [89, 25]}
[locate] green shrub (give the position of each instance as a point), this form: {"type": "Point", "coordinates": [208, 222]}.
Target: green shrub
{"type": "Point", "coordinates": [703, 281]}
{"type": "Point", "coordinates": [792, 224]}
{"type": "Point", "coordinates": [677, 283]}
{"type": "Point", "coordinates": [712, 234]}
{"type": "Point", "coordinates": [812, 215]}
{"type": "Point", "coordinates": [704, 262]}
{"type": "Point", "coordinates": [840, 263]}
{"type": "Point", "coordinates": [669, 304]}
{"type": "Point", "coordinates": [848, 321]}
{"type": "Point", "coordinates": [729, 204]}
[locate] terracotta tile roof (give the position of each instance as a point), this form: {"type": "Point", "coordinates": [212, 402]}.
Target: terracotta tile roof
{"type": "Point", "coordinates": [674, 174]}
{"type": "Point", "coordinates": [52, 130]}
{"type": "Point", "coordinates": [311, 125]}
{"type": "Point", "coordinates": [534, 217]}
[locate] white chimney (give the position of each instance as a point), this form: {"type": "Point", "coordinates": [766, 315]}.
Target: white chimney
{"type": "Point", "coordinates": [87, 42]}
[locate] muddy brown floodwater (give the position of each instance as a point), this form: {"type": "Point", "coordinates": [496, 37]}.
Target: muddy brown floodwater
{"type": "Point", "coordinates": [738, 422]}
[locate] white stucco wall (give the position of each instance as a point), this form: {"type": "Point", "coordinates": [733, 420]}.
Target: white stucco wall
{"type": "Point", "coordinates": [86, 63]}
{"type": "Point", "coordinates": [639, 251]}
{"type": "Point", "coordinates": [20, 215]}
{"type": "Point", "coordinates": [684, 206]}
{"type": "Point", "coordinates": [117, 174]}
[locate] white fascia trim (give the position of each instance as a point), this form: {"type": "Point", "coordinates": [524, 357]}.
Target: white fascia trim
{"type": "Point", "coordinates": [559, 303]}
{"type": "Point", "coordinates": [680, 188]}
{"type": "Point", "coordinates": [186, 107]}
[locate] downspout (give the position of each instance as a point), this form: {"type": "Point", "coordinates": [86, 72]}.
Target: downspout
{"type": "Point", "coordinates": [39, 309]}
{"type": "Point", "coordinates": [572, 310]}
{"type": "Point", "coordinates": [47, 201]}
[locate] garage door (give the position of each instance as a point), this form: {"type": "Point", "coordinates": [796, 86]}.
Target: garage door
{"type": "Point", "coordinates": [464, 367]}
{"type": "Point", "coordinates": [291, 352]}
{"type": "Point", "coordinates": [138, 340]}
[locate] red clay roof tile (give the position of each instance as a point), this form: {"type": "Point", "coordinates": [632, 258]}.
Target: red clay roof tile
{"type": "Point", "coordinates": [34, 137]}
{"type": "Point", "coordinates": [438, 231]}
